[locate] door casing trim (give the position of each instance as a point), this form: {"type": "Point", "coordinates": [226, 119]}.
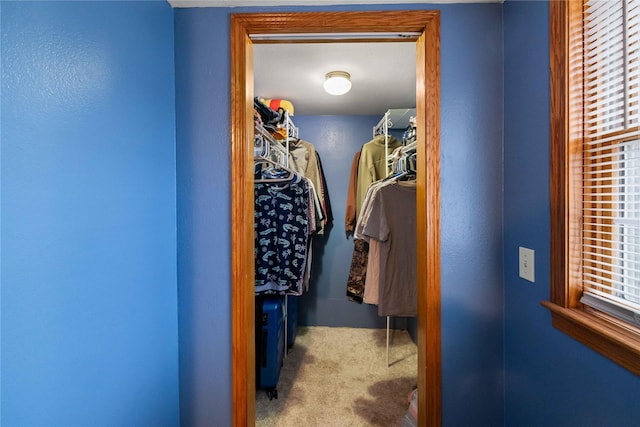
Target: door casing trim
{"type": "Point", "coordinates": [427, 24]}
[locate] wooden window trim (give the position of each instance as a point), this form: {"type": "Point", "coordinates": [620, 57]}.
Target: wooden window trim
{"type": "Point", "coordinates": [613, 339]}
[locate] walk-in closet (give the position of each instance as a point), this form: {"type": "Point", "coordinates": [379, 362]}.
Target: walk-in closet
{"type": "Point", "coordinates": [335, 227]}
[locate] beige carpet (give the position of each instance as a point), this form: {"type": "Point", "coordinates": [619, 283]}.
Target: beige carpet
{"type": "Point", "coordinates": [338, 377]}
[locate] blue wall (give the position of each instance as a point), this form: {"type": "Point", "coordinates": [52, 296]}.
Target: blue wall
{"type": "Point", "coordinates": [472, 109]}
{"type": "Point", "coordinates": [204, 224]}
{"type": "Point", "coordinates": [89, 289]}
{"type": "Point", "coordinates": [550, 378]}
{"type": "Point", "coordinates": [337, 139]}
{"type": "Point", "coordinates": [471, 214]}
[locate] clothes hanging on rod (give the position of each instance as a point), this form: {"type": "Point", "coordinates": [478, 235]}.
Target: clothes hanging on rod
{"type": "Point", "coordinates": [403, 159]}
{"type": "Point", "coordinates": [291, 202]}
{"type": "Point", "coordinates": [372, 166]}
{"type": "Point", "coordinates": [284, 218]}
{"type": "Point", "coordinates": [301, 155]}
{"type": "Point", "coordinates": [305, 161]}
{"type": "Point", "coordinates": [371, 280]}
{"type": "Point", "coordinates": [388, 221]}
{"type": "Point", "coordinates": [384, 244]}
{"type": "Point", "coordinates": [291, 207]}
{"type": "Point", "coordinates": [324, 196]}
{"type": "Point", "coordinates": [380, 158]}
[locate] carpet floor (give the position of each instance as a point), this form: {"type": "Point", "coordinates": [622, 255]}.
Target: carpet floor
{"type": "Point", "coordinates": [338, 377]}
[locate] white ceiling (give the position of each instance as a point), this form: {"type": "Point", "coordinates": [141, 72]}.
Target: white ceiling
{"type": "Point", "coordinates": [383, 76]}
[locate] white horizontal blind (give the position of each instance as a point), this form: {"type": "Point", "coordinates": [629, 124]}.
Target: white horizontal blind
{"type": "Point", "coordinates": [611, 158]}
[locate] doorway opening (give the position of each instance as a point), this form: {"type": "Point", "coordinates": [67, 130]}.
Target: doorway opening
{"type": "Point", "coordinates": [426, 26]}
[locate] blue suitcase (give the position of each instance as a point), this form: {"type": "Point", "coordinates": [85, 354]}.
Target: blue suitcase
{"type": "Point", "coordinates": [292, 319]}
{"type": "Point", "coordinates": [270, 341]}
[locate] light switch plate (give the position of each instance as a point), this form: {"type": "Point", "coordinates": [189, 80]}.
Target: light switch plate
{"type": "Point", "coordinates": [527, 264]}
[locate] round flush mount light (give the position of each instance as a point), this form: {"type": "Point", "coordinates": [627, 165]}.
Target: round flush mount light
{"type": "Point", "coordinates": [337, 82]}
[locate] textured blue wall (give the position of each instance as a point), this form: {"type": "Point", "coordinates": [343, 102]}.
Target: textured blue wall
{"type": "Point", "coordinates": [551, 379]}
{"type": "Point", "coordinates": [337, 139]}
{"type": "Point", "coordinates": [204, 224]}
{"type": "Point", "coordinates": [471, 214]}
{"type": "Point", "coordinates": [472, 112]}
{"type": "Point", "coordinates": [89, 289]}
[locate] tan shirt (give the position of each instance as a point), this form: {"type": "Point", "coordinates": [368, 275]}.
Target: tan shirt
{"type": "Point", "coordinates": [305, 162]}
{"type": "Point", "coordinates": [372, 166]}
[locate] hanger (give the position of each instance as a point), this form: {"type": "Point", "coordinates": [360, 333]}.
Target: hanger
{"type": "Point", "coordinates": [290, 175]}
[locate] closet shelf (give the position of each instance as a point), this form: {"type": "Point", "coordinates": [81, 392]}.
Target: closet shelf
{"type": "Point", "coordinates": [397, 118]}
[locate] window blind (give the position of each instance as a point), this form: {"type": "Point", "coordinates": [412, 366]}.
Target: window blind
{"type": "Point", "coordinates": [611, 158]}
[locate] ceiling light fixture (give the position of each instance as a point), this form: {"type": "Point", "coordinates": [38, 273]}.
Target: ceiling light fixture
{"type": "Point", "coordinates": [337, 82]}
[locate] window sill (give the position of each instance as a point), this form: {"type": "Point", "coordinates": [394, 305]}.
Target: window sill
{"type": "Point", "coordinates": [606, 335]}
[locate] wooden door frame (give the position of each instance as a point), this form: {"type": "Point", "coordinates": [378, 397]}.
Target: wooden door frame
{"type": "Point", "coordinates": [427, 24]}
